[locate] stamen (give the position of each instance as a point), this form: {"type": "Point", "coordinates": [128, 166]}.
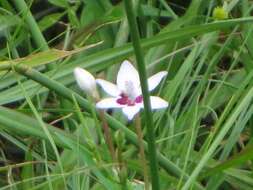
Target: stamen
{"type": "Point", "coordinates": [130, 90]}
{"type": "Point", "coordinates": [138, 99]}
{"type": "Point", "coordinates": [125, 100]}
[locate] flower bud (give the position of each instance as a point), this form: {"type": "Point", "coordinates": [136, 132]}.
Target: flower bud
{"type": "Point", "coordinates": [86, 82]}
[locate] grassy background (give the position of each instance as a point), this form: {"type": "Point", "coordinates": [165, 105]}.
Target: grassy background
{"type": "Point", "coordinates": [50, 135]}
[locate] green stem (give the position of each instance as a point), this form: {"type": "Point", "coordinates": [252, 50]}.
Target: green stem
{"type": "Point", "coordinates": [142, 151]}
{"type": "Point", "coordinates": [107, 133]}
{"type": "Point", "coordinates": [146, 99]}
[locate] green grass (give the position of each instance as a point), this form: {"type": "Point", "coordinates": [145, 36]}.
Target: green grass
{"type": "Point", "coordinates": [51, 134]}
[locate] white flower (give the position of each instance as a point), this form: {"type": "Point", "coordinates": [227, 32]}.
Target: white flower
{"type": "Point", "coordinates": [86, 81]}
{"type": "Point", "coordinates": [127, 93]}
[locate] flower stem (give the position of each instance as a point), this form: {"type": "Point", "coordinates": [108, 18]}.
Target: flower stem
{"type": "Point", "coordinates": [144, 87]}
{"type": "Point", "coordinates": [142, 152]}
{"type": "Point", "coordinates": [108, 137]}
{"type": "Point", "coordinates": [106, 129]}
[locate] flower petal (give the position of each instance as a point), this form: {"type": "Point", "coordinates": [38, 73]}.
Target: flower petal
{"type": "Point", "coordinates": [131, 111]}
{"type": "Point", "coordinates": [85, 80]}
{"type": "Point", "coordinates": [154, 80]}
{"type": "Point", "coordinates": [108, 103]}
{"type": "Point", "coordinates": [109, 87]}
{"type": "Point", "coordinates": [126, 73]}
{"type": "Point", "coordinates": [158, 103]}
{"type": "Point", "coordinates": [138, 91]}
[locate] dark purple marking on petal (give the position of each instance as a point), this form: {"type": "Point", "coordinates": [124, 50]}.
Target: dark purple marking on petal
{"type": "Point", "coordinates": [122, 100]}
{"type": "Point", "coordinates": [138, 99]}
{"type": "Point", "coordinates": [125, 100]}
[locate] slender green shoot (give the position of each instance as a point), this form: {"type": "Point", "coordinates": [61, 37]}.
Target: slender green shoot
{"type": "Point", "coordinates": [144, 87]}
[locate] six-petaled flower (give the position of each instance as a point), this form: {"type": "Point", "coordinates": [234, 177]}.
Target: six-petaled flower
{"type": "Point", "coordinates": [127, 93]}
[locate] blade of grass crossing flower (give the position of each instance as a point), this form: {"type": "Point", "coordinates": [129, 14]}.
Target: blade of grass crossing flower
{"type": "Point", "coordinates": [144, 87]}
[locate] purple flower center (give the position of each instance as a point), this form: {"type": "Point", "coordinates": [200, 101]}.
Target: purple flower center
{"type": "Point", "coordinates": [125, 100]}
